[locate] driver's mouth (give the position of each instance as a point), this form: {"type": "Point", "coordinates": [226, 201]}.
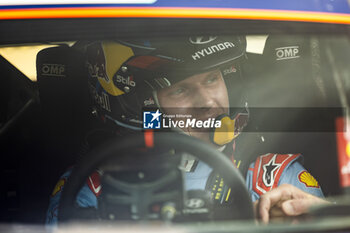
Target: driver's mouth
{"type": "Point", "coordinates": [209, 113]}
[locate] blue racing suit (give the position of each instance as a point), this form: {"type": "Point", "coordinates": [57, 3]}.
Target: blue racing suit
{"type": "Point", "coordinates": [267, 172]}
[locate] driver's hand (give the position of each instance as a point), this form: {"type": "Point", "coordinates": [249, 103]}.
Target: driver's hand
{"type": "Point", "coordinates": [285, 200]}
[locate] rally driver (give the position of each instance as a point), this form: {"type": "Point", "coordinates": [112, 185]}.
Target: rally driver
{"type": "Point", "coordinates": [200, 77]}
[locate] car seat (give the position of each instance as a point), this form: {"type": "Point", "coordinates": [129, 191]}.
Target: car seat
{"type": "Point", "coordinates": [62, 85]}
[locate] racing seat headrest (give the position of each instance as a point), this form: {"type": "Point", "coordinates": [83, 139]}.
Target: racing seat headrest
{"type": "Point", "coordinates": [61, 78]}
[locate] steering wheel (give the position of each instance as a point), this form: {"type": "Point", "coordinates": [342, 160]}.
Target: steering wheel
{"type": "Point", "coordinates": [215, 159]}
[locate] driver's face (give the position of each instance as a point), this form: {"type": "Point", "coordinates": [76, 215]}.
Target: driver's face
{"type": "Point", "coordinates": [202, 95]}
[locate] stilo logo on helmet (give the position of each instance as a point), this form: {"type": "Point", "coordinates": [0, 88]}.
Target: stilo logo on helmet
{"type": "Point", "coordinates": [123, 80]}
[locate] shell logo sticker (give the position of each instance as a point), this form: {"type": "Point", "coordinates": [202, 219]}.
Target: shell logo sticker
{"type": "Point", "coordinates": [307, 179]}
{"type": "Point", "coordinates": [59, 186]}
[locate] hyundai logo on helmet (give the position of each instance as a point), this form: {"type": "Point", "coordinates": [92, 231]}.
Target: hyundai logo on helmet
{"type": "Point", "coordinates": [202, 39]}
{"type": "Point", "coordinates": [212, 49]}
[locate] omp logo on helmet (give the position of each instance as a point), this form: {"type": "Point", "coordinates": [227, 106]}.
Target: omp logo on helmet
{"type": "Point", "coordinates": [56, 70]}
{"type": "Point", "coordinates": [202, 39]}
{"type": "Point", "coordinates": [212, 49]}
{"type": "Point", "coordinates": [289, 52]}
{"type": "Point", "coordinates": [151, 120]}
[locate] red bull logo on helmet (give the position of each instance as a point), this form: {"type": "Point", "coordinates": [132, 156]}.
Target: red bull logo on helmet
{"type": "Point", "coordinates": [102, 100]}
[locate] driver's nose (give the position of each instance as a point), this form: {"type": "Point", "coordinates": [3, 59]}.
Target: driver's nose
{"type": "Point", "coordinates": [202, 98]}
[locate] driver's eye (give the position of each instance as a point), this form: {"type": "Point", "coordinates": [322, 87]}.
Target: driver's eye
{"type": "Point", "coordinates": [211, 79]}
{"type": "Point", "coordinates": [178, 91]}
